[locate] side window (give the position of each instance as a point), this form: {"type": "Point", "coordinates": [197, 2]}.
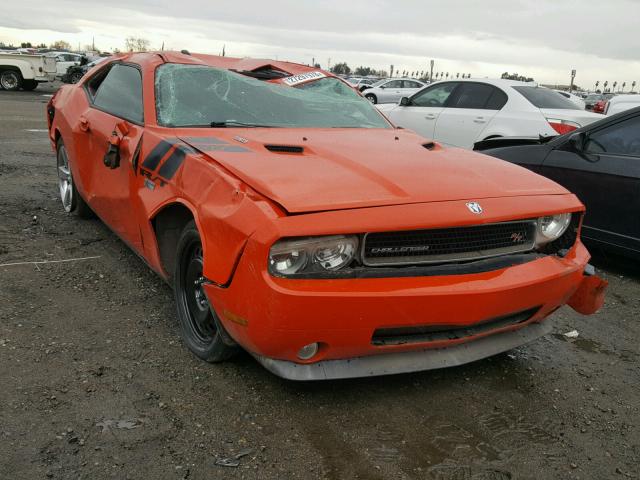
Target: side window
{"type": "Point", "coordinates": [435, 96]}
{"type": "Point", "coordinates": [472, 95]}
{"type": "Point", "coordinates": [410, 84]}
{"type": "Point", "coordinates": [620, 139]}
{"type": "Point", "coordinates": [393, 84]}
{"type": "Point", "coordinates": [497, 100]}
{"type": "Point", "coordinates": [119, 92]}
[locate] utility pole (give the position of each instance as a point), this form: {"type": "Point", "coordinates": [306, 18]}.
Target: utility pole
{"type": "Point", "coordinates": [431, 71]}
{"type": "Point", "coordinates": [391, 72]}
{"type": "Point", "coordinates": [573, 76]}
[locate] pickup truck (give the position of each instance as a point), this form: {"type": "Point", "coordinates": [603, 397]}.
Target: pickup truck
{"type": "Point", "coordinates": [25, 71]}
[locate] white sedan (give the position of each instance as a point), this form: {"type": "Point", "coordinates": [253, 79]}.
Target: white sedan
{"type": "Point", "coordinates": [462, 112]}
{"type": "Point", "coordinates": [390, 90]}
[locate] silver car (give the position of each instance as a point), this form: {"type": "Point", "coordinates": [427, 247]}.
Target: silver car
{"type": "Point", "coordinates": [391, 90]}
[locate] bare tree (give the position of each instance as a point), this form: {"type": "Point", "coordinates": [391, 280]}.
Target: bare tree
{"type": "Point", "coordinates": [60, 45]}
{"type": "Point", "coordinates": [137, 44]}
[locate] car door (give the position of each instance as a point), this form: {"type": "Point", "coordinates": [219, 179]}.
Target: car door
{"type": "Point", "coordinates": [423, 109]}
{"type": "Point", "coordinates": [390, 92]}
{"type": "Point", "coordinates": [467, 113]}
{"type": "Point", "coordinates": [605, 175]}
{"type": "Point", "coordinates": [112, 123]}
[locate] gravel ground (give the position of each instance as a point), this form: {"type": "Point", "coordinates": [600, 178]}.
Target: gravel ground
{"type": "Point", "coordinates": [94, 381]}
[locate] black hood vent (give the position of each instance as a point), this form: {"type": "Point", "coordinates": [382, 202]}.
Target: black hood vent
{"type": "Point", "coordinates": [284, 148]}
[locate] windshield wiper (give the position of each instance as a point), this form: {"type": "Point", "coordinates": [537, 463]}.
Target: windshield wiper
{"type": "Point", "coordinates": [236, 123]}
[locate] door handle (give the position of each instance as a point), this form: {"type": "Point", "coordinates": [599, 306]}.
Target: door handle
{"type": "Point", "coordinates": [430, 116]}
{"type": "Point", "coordinates": [84, 124]}
{"type": "Point", "coordinates": [479, 120]}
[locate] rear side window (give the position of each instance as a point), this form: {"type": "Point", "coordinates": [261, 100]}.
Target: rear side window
{"type": "Point", "coordinates": [478, 96]}
{"type": "Point", "coordinates": [119, 93]}
{"type": "Point", "coordinates": [393, 84]}
{"type": "Point", "coordinates": [620, 139]}
{"type": "Point", "coordinates": [410, 84]}
{"type": "Point", "coordinates": [545, 98]}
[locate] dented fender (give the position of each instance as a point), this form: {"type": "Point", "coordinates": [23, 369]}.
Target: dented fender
{"type": "Point", "coordinates": [589, 297]}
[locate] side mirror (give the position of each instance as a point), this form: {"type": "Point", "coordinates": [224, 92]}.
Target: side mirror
{"type": "Point", "coordinates": [577, 141]}
{"type": "Point", "coordinates": [405, 102]}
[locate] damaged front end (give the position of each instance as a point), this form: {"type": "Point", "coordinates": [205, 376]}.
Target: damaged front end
{"type": "Point", "coordinates": [589, 297]}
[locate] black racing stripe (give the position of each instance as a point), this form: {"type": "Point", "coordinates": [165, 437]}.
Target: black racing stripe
{"type": "Point", "coordinates": [154, 157]}
{"type": "Point", "coordinates": [171, 165]}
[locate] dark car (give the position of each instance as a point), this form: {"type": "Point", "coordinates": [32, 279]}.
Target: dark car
{"type": "Point", "coordinates": [76, 72]}
{"type": "Point", "coordinates": [600, 163]}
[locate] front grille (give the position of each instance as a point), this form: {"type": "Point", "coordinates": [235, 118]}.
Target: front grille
{"type": "Point", "coordinates": [448, 244]}
{"type": "Point", "coordinates": [437, 333]}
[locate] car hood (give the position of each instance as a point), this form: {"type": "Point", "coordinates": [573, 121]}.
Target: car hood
{"type": "Point", "coordinates": [355, 168]}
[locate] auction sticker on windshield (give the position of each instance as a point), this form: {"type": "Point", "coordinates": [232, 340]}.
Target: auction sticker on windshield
{"type": "Point", "coordinates": [303, 77]}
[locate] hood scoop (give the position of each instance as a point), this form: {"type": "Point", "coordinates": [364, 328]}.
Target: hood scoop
{"type": "Point", "coordinates": [284, 148]}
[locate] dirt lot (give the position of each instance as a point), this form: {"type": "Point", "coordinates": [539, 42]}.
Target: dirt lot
{"type": "Point", "coordinates": [94, 381]}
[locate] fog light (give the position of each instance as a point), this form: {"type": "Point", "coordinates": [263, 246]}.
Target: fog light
{"type": "Point", "coordinates": [308, 351]}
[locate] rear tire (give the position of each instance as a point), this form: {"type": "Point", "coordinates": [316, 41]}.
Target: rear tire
{"type": "Point", "coordinates": [75, 77]}
{"type": "Point", "coordinates": [200, 326]}
{"type": "Point", "coordinates": [11, 80]}
{"type": "Point", "coordinates": [371, 97]}
{"type": "Point", "coordinates": [29, 85]}
{"type": "Point", "coordinates": [72, 202]}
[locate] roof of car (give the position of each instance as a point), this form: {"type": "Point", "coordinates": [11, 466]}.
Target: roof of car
{"type": "Point", "coordinates": [498, 82]}
{"type": "Point", "coordinates": [229, 63]}
{"type": "Point", "coordinates": [628, 98]}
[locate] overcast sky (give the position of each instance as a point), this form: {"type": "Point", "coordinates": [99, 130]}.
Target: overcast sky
{"type": "Point", "coordinates": [544, 39]}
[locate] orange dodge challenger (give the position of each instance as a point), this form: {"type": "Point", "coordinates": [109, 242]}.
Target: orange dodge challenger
{"type": "Point", "coordinates": [295, 221]}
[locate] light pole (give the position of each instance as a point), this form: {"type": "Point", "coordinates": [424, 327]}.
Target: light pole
{"type": "Point", "coordinates": [573, 76]}
{"type": "Point", "coordinates": [431, 71]}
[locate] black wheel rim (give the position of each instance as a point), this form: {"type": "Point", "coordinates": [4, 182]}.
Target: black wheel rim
{"type": "Point", "coordinates": [199, 318]}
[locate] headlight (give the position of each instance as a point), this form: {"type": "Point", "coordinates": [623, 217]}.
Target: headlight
{"type": "Point", "coordinates": [552, 227]}
{"type": "Point", "coordinates": [312, 254]}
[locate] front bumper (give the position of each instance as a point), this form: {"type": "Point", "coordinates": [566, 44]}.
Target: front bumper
{"type": "Point", "coordinates": [273, 317]}
{"type": "Point", "coordinates": [406, 362]}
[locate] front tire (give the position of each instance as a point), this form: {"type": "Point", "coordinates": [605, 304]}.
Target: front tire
{"type": "Point", "coordinates": [72, 202]}
{"type": "Point", "coordinates": [11, 80]}
{"type": "Point", "coordinates": [371, 97]}
{"type": "Point", "coordinates": [200, 326]}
